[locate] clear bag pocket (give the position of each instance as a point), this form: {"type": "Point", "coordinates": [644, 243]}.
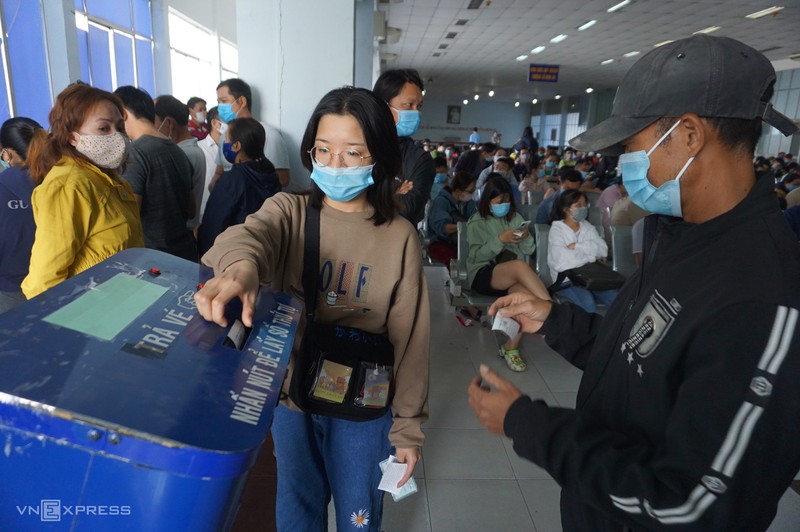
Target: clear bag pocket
{"type": "Point", "coordinates": [374, 386]}
{"type": "Point", "coordinates": [332, 381]}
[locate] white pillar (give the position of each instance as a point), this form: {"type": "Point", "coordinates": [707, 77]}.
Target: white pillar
{"type": "Point", "coordinates": [62, 44]}
{"type": "Point", "coordinates": [292, 52]}
{"type": "Point", "coordinates": [162, 63]}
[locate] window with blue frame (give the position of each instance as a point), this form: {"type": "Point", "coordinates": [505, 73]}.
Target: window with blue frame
{"type": "Point", "coordinates": [115, 43]}
{"type": "Point", "coordinates": [25, 83]}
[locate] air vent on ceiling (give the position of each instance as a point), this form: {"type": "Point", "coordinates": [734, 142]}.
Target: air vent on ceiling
{"type": "Point", "coordinates": [462, 22]}
{"type": "Point", "coordinates": [474, 4]}
{"type": "Point", "coordinates": [437, 54]}
{"type": "Point", "coordinates": [770, 49]}
{"type": "Point", "coordinates": [795, 55]}
{"type": "Point", "coordinates": [442, 47]}
{"type": "Point", "coordinates": [390, 1]}
{"type": "Point", "coordinates": [451, 35]}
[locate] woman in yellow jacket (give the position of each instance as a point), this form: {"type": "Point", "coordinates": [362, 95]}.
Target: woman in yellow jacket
{"type": "Point", "coordinates": [84, 212]}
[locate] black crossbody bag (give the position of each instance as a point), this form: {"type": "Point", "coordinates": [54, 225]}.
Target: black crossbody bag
{"type": "Point", "coordinates": [342, 372]}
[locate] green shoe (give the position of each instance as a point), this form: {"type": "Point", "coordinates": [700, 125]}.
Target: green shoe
{"type": "Point", "coordinates": [514, 361]}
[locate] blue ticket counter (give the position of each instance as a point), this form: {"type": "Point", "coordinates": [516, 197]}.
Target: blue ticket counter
{"type": "Point", "coordinates": [123, 409]}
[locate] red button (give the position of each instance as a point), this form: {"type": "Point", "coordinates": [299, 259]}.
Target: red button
{"type": "Point", "coordinates": [155, 271]}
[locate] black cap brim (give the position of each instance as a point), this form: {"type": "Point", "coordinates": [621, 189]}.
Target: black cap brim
{"type": "Point", "coordinates": [606, 136]}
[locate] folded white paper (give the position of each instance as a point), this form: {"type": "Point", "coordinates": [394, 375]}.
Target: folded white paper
{"type": "Point", "coordinates": [507, 326]}
{"type": "Point", "coordinates": [393, 471]}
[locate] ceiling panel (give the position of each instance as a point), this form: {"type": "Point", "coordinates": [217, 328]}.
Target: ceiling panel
{"type": "Point", "coordinates": [482, 55]}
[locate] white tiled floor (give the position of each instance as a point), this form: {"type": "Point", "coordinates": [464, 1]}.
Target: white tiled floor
{"type": "Point", "coordinates": [471, 480]}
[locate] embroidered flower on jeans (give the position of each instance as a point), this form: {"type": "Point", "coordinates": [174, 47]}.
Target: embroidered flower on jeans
{"type": "Point", "coordinates": [360, 519]}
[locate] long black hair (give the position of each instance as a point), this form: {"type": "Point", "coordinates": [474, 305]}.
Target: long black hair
{"type": "Point", "coordinates": [252, 137]}
{"type": "Point", "coordinates": [377, 124]}
{"type": "Point", "coordinates": [16, 134]}
{"type": "Point", "coordinates": [496, 185]}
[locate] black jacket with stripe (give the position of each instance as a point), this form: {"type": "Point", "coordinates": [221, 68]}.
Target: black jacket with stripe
{"type": "Point", "coordinates": [688, 413]}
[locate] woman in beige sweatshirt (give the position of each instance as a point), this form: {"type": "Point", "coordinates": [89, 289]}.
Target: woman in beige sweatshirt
{"type": "Point", "coordinates": [370, 277]}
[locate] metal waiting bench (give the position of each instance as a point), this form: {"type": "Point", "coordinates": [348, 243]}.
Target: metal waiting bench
{"type": "Point", "coordinates": [460, 292]}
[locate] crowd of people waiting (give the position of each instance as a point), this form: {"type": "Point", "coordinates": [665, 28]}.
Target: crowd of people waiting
{"type": "Point", "coordinates": [566, 184]}
{"type": "Point", "coordinates": [124, 169]}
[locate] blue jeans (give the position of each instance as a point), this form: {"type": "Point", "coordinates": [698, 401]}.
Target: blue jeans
{"type": "Point", "coordinates": [587, 299]}
{"type": "Point", "coordinates": [320, 456]}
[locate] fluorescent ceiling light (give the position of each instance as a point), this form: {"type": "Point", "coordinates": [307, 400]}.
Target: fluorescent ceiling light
{"type": "Point", "coordinates": [465, 102]}
{"type": "Point", "coordinates": [708, 29]}
{"type": "Point", "coordinates": [607, 61]}
{"type": "Point", "coordinates": [516, 104]}
{"type": "Point", "coordinates": [631, 54]}
{"type": "Point", "coordinates": [477, 96]}
{"type": "Point", "coordinates": [558, 96]}
{"type": "Point", "coordinates": [587, 25]}
{"type": "Point", "coordinates": [559, 38]}
{"type": "Point", "coordinates": [589, 90]}
{"type": "Point", "coordinates": [423, 93]}
{"type": "Point", "coordinates": [535, 101]}
{"type": "Point", "coordinates": [764, 12]}
{"type": "Point", "coordinates": [491, 93]}
{"type": "Point", "coordinates": [522, 57]}
{"type": "Point", "coordinates": [662, 43]}
{"type": "Point", "coordinates": [538, 50]}
{"type": "Point", "coordinates": [618, 6]}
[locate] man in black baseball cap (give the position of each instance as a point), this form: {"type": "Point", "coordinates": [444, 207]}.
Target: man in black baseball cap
{"type": "Point", "coordinates": [688, 414]}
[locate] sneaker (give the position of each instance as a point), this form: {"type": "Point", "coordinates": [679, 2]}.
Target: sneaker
{"type": "Point", "coordinates": [514, 361]}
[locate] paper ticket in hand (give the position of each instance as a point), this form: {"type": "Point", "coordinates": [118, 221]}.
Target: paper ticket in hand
{"type": "Point", "coordinates": [393, 471]}
{"type": "Point", "coordinates": [505, 325]}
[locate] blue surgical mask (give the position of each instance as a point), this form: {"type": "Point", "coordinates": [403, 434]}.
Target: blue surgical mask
{"type": "Point", "coordinates": [788, 187]}
{"type": "Point", "coordinates": [440, 178]}
{"type": "Point", "coordinates": [583, 175]}
{"type": "Point", "coordinates": [226, 113]}
{"type": "Point", "coordinates": [407, 122]}
{"type": "Point", "coordinates": [343, 183]}
{"type": "Point", "coordinates": [550, 164]}
{"type": "Point", "coordinates": [4, 164]}
{"type": "Point", "coordinates": [665, 199]}
{"type": "Point", "coordinates": [501, 209]}
{"type": "Point", "coordinates": [227, 151]}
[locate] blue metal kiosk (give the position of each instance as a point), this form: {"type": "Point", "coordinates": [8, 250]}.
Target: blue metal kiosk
{"type": "Point", "coordinates": [123, 409]}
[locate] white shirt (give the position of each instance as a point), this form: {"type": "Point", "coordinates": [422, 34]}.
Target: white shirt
{"type": "Point", "coordinates": [210, 150]}
{"type": "Point", "coordinates": [588, 246]}
{"type": "Point", "coordinates": [197, 159]}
